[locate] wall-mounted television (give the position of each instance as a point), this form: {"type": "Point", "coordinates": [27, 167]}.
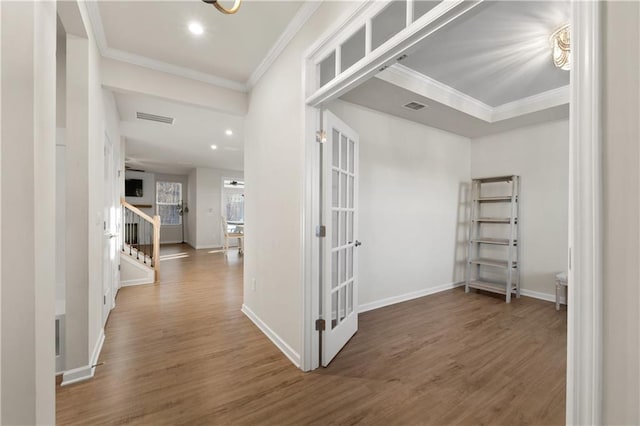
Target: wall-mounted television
{"type": "Point", "coordinates": [133, 188]}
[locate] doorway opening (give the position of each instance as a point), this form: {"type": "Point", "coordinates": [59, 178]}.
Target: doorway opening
{"type": "Point", "coordinates": [373, 80]}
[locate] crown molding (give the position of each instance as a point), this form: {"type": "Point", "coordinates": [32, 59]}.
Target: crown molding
{"type": "Point", "coordinates": [549, 99]}
{"type": "Point", "coordinates": [95, 19]}
{"type": "Point", "coordinates": [301, 17]}
{"type": "Point", "coordinates": [143, 61]}
{"type": "Point", "coordinates": [419, 83]}
{"type": "Point", "coordinates": [422, 85]}
{"type": "Point", "coordinates": [93, 11]}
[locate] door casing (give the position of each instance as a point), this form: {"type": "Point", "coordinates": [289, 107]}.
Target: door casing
{"type": "Point", "coordinates": [584, 335]}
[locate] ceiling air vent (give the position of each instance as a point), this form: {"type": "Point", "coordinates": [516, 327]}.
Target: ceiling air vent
{"type": "Point", "coordinates": [153, 117]}
{"type": "Point", "coordinates": [416, 106]}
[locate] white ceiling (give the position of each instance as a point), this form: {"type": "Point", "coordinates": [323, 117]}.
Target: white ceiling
{"type": "Point", "coordinates": [231, 47]}
{"type": "Point", "coordinates": [498, 52]}
{"type": "Point", "coordinates": [182, 146]}
{"type": "Point", "coordinates": [388, 98]}
{"type": "Point", "coordinates": [488, 71]}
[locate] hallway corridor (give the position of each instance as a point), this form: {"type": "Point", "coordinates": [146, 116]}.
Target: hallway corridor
{"type": "Point", "coordinates": [181, 352]}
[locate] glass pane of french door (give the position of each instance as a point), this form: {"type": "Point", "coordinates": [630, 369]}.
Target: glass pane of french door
{"type": "Point", "coordinates": [342, 214]}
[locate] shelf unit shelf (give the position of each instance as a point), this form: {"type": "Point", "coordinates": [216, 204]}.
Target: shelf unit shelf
{"type": "Point", "coordinates": [500, 199]}
{"type": "Point", "coordinates": [495, 241]}
{"type": "Point", "coordinates": [494, 220]}
{"type": "Point", "coordinates": [507, 266]}
{"type": "Point", "coordinates": [493, 287]}
{"type": "Point", "coordinates": [496, 263]}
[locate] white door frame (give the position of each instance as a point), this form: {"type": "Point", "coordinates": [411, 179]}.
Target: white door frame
{"type": "Point", "coordinates": [109, 271]}
{"type": "Point", "coordinates": [584, 348]}
{"type": "Point", "coordinates": [584, 333]}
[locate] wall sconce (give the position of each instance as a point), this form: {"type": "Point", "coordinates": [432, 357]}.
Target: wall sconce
{"type": "Point", "coordinates": [561, 45]}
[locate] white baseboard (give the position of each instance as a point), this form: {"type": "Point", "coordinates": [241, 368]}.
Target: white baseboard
{"type": "Point", "coordinates": [208, 246]}
{"type": "Point", "coordinates": [138, 281]}
{"type": "Point", "coordinates": [543, 296]}
{"type": "Point", "coordinates": [407, 296]}
{"type": "Point", "coordinates": [85, 372]}
{"type": "Point", "coordinates": [287, 350]}
{"type": "Point", "coordinates": [171, 242]}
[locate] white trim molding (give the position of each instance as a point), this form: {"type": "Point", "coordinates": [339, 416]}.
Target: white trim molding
{"type": "Point", "coordinates": [85, 372]}
{"type": "Point", "coordinates": [154, 64]}
{"type": "Point", "coordinates": [95, 18]}
{"type": "Point", "coordinates": [416, 82]}
{"type": "Point", "coordinates": [538, 102]}
{"type": "Point", "coordinates": [301, 17]}
{"type": "Point", "coordinates": [388, 301]}
{"type": "Point", "coordinates": [547, 297]}
{"type": "Point", "coordinates": [407, 296]}
{"type": "Point", "coordinates": [409, 79]}
{"type": "Point", "coordinates": [584, 335]}
{"type": "Point", "coordinates": [294, 26]}
{"type": "Point", "coordinates": [386, 54]}
{"type": "Point", "coordinates": [138, 281]}
{"type": "Point", "coordinates": [287, 350]}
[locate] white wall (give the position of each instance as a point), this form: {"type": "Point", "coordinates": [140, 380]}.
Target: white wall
{"type": "Point", "coordinates": [274, 175]}
{"type": "Point", "coordinates": [207, 211]}
{"type": "Point", "coordinates": [61, 108]}
{"type": "Point", "coordinates": [540, 156]}
{"type": "Point", "coordinates": [27, 227]}
{"type": "Point", "coordinates": [413, 188]}
{"type": "Point", "coordinates": [191, 231]}
{"type": "Point", "coordinates": [125, 77]}
{"type": "Point", "coordinates": [61, 75]}
{"type": "Point", "coordinates": [60, 223]}
{"type": "Point", "coordinates": [90, 113]}
{"type": "Point", "coordinates": [621, 208]}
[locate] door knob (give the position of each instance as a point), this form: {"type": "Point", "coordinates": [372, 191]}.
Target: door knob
{"type": "Point", "coordinates": [357, 243]}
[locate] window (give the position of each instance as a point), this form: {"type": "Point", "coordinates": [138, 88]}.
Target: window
{"type": "Point", "coordinates": [169, 202]}
{"type": "Point", "coordinates": [233, 201]}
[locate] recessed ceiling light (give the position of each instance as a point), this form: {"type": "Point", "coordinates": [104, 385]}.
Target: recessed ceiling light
{"type": "Point", "coordinates": [214, 146]}
{"type": "Point", "coordinates": [196, 28]}
{"type": "Point", "coordinates": [229, 132]}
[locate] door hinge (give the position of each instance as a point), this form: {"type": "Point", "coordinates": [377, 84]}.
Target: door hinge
{"type": "Point", "coordinates": [104, 300]}
{"type": "Point", "coordinates": [321, 231]}
{"type": "Point", "coordinates": [321, 136]}
{"type": "Point", "coordinates": [118, 266]}
{"type": "Point", "coordinates": [319, 325]}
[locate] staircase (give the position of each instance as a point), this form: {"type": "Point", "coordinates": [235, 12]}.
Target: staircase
{"type": "Point", "coordinates": [140, 240]}
{"type": "Point", "coordinates": [493, 251]}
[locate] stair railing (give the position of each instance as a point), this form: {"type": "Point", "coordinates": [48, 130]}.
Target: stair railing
{"type": "Point", "coordinates": [140, 236]}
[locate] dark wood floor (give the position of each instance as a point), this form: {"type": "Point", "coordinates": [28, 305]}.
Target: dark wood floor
{"type": "Point", "coordinates": [181, 352]}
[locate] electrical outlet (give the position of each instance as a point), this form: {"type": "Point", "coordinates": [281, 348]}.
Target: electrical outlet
{"type": "Point", "coordinates": [253, 284]}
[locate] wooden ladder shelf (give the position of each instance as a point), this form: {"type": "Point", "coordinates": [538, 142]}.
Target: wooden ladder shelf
{"type": "Point", "coordinates": [493, 258]}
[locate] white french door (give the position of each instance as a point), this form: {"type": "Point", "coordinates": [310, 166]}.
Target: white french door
{"type": "Point", "coordinates": [340, 254]}
{"type": "Point", "coordinates": [110, 250]}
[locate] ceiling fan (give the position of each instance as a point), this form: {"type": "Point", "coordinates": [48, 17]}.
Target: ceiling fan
{"type": "Point", "coordinates": [230, 11]}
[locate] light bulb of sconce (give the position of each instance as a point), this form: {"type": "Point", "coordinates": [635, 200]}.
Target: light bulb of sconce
{"type": "Point", "coordinates": [561, 47]}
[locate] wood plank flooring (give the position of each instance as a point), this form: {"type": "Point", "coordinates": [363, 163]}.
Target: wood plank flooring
{"type": "Point", "coordinates": [181, 352]}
